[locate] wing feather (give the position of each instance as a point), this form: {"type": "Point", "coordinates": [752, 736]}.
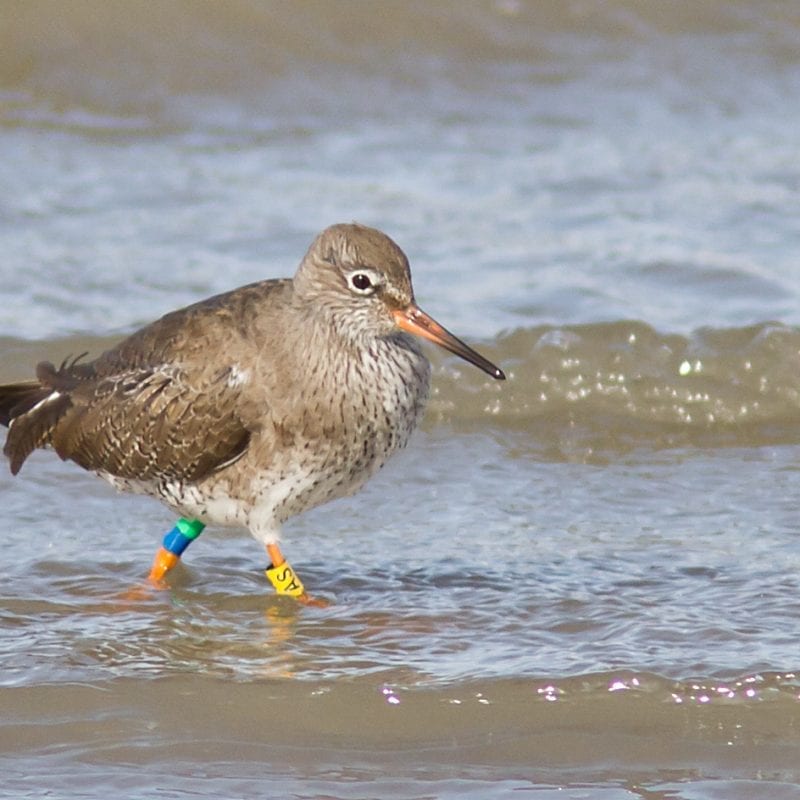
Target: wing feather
{"type": "Point", "coordinates": [153, 424]}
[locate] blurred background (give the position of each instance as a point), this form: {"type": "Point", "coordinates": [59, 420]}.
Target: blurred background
{"type": "Point", "coordinates": [580, 583]}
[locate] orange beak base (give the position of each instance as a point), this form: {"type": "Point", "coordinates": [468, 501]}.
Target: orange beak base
{"type": "Point", "coordinates": [414, 320]}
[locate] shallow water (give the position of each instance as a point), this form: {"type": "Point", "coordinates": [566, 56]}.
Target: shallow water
{"type": "Point", "coordinates": [581, 583]}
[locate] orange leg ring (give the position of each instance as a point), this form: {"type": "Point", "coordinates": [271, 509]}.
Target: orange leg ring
{"type": "Point", "coordinates": [162, 564]}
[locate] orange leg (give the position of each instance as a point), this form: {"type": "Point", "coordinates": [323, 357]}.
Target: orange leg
{"type": "Point", "coordinates": [162, 564]}
{"type": "Point", "coordinates": [283, 578]}
{"type": "Point", "coordinates": [175, 542]}
{"type": "Point", "coordinates": [280, 573]}
{"type": "Point", "coordinates": [275, 555]}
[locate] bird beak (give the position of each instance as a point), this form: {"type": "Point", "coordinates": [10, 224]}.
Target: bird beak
{"type": "Point", "coordinates": [414, 320]}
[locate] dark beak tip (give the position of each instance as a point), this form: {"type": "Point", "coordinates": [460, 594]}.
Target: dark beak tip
{"type": "Point", "coordinates": [499, 374]}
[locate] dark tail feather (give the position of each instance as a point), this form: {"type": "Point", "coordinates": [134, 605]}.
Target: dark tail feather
{"type": "Point", "coordinates": [17, 398]}
{"type": "Point", "coordinates": [31, 429]}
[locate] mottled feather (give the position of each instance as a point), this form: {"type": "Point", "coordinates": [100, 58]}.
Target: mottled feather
{"type": "Point", "coordinates": [253, 405]}
{"type": "Point", "coordinates": [151, 407]}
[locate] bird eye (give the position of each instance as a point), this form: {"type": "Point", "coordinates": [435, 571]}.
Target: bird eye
{"type": "Point", "coordinates": [361, 282]}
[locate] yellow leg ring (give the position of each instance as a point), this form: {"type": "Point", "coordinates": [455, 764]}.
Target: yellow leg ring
{"type": "Point", "coordinates": [285, 581]}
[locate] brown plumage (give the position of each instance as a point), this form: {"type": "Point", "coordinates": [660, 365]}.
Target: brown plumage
{"type": "Point", "coordinates": [253, 405]}
{"type": "Point", "coordinates": [151, 407]}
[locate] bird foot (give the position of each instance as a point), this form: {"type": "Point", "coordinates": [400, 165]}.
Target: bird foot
{"type": "Point", "coordinates": [141, 592]}
{"type": "Point", "coordinates": [315, 602]}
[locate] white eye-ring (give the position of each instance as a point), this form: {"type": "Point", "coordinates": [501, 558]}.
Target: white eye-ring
{"type": "Point", "coordinates": [363, 281]}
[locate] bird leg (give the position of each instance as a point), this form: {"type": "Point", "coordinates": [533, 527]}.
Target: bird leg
{"type": "Point", "coordinates": [175, 542]}
{"type": "Point", "coordinates": [283, 578]}
{"type": "Point", "coordinates": [281, 575]}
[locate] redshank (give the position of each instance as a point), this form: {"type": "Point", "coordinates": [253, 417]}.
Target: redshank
{"type": "Point", "coordinates": [251, 406]}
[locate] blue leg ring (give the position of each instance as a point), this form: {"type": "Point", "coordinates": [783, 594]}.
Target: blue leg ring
{"type": "Point", "coordinates": [182, 535]}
